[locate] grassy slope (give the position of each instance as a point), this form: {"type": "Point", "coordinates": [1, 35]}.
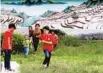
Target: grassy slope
{"type": "Point", "coordinates": [86, 58]}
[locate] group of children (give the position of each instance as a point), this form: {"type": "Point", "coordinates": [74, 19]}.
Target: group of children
{"type": "Point", "coordinates": [48, 40]}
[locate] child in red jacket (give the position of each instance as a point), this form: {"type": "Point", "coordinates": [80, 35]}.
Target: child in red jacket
{"type": "Point", "coordinates": [47, 41]}
{"type": "Point", "coordinates": [7, 46]}
{"type": "Point", "coordinates": [55, 41]}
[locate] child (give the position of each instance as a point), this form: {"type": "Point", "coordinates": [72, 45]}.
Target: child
{"type": "Point", "coordinates": [55, 42]}
{"type": "Point", "coordinates": [7, 46]}
{"type": "Point", "coordinates": [46, 38]}
{"type": "Point", "coordinates": [35, 36]}
{"type": "Point", "coordinates": [26, 43]}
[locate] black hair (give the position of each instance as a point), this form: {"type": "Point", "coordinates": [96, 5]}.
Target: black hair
{"type": "Point", "coordinates": [37, 25]}
{"type": "Point", "coordinates": [12, 26]}
{"type": "Point", "coordinates": [53, 30]}
{"type": "Point", "coordinates": [30, 26]}
{"type": "Point", "coordinates": [46, 27]}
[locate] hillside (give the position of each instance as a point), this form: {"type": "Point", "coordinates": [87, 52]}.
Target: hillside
{"type": "Point", "coordinates": [79, 18]}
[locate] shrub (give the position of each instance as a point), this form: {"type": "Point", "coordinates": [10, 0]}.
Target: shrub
{"type": "Point", "coordinates": [17, 42]}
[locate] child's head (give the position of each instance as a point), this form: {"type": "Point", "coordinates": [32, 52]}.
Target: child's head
{"type": "Point", "coordinates": [52, 32]}
{"type": "Point", "coordinates": [30, 27]}
{"type": "Point", "coordinates": [46, 29]}
{"type": "Point", "coordinates": [37, 26]}
{"type": "Point", "coordinates": [12, 27]}
{"type": "Point", "coordinates": [26, 37]}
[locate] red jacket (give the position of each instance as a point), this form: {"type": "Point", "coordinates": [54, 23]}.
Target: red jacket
{"type": "Point", "coordinates": [5, 44]}
{"type": "Point", "coordinates": [48, 38]}
{"type": "Point", "coordinates": [55, 37]}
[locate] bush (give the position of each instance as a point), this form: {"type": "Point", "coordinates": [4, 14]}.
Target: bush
{"type": "Point", "coordinates": [17, 42]}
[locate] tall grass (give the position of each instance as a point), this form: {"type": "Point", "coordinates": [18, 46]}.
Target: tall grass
{"type": "Point", "coordinates": [71, 56]}
{"type": "Point", "coordinates": [85, 57]}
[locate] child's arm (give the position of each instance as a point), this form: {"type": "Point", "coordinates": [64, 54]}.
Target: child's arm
{"type": "Point", "coordinates": [30, 41]}
{"type": "Point", "coordinates": [50, 42]}
{"type": "Point", "coordinates": [9, 43]}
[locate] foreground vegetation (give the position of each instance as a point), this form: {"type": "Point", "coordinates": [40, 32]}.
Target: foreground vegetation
{"type": "Point", "coordinates": [70, 56]}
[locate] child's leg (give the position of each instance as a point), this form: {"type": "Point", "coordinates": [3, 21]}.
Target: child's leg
{"type": "Point", "coordinates": [47, 57]}
{"type": "Point", "coordinates": [35, 44]}
{"type": "Point", "coordinates": [45, 60]}
{"type": "Point", "coordinates": [7, 59]}
{"type": "Point", "coordinates": [48, 61]}
{"type": "Point", "coordinates": [26, 51]}
{"type": "Point", "coordinates": [35, 47]}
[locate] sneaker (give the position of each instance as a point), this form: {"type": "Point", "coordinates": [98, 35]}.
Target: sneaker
{"type": "Point", "coordinates": [45, 65]}
{"type": "Point", "coordinates": [10, 70]}
{"type": "Point", "coordinates": [6, 70]}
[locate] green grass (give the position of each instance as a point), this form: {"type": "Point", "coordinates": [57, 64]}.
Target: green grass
{"type": "Point", "coordinates": [85, 58]}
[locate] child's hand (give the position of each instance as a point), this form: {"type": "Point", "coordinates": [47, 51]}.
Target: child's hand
{"type": "Point", "coordinates": [9, 47]}
{"type": "Point", "coordinates": [40, 41]}
{"type": "Point", "coordinates": [43, 41]}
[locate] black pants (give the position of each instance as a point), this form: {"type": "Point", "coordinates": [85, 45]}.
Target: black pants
{"type": "Point", "coordinates": [35, 47]}
{"type": "Point", "coordinates": [47, 57]}
{"type": "Point", "coordinates": [35, 43]}
{"type": "Point", "coordinates": [7, 59]}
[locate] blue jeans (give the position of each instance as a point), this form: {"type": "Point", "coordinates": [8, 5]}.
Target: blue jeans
{"type": "Point", "coordinates": [26, 51]}
{"type": "Point", "coordinates": [7, 59]}
{"type": "Point", "coordinates": [47, 57]}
